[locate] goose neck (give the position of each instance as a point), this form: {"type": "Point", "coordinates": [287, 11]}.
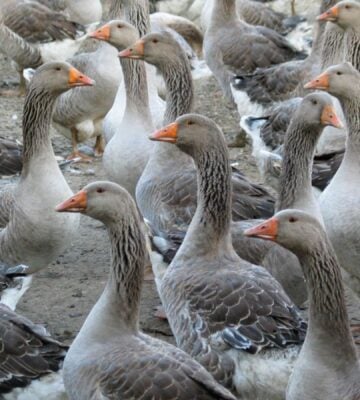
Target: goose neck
{"type": "Point", "coordinates": [295, 180]}
{"type": "Point", "coordinates": [209, 231]}
{"type": "Point", "coordinates": [328, 318]}
{"type": "Point", "coordinates": [137, 13]}
{"type": "Point", "coordinates": [179, 87]}
{"type": "Point", "coordinates": [124, 284]}
{"type": "Point", "coordinates": [223, 11]}
{"type": "Point", "coordinates": [332, 45]}
{"type": "Point", "coordinates": [37, 117]}
{"type": "Point", "coordinates": [137, 97]}
{"type": "Point", "coordinates": [351, 106]}
{"type": "Point", "coordinates": [352, 46]}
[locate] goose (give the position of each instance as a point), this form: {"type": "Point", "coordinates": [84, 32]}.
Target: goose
{"type": "Point", "coordinates": [338, 201]}
{"type": "Point", "coordinates": [231, 45]}
{"type": "Point", "coordinates": [110, 357]}
{"type": "Point", "coordinates": [137, 14]}
{"type": "Point", "coordinates": [328, 365]}
{"type": "Point", "coordinates": [126, 155]}
{"type": "Point", "coordinates": [156, 197]}
{"type": "Point", "coordinates": [10, 157]}
{"type": "Point", "coordinates": [231, 316]}
{"type": "Point", "coordinates": [30, 359]}
{"type": "Point", "coordinates": [79, 113]}
{"type": "Point", "coordinates": [31, 234]}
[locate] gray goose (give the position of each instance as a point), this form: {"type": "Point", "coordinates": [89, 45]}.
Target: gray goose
{"type": "Point", "coordinates": [30, 358]}
{"type": "Point", "coordinates": [228, 314]}
{"type": "Point", "coordinates": [232, 46]}
{"type": "Point", "coordinates": [328, 365]}
{"type": "Point", "coordinates": [339, 201]}
{"type": "Point", "coordinates": [169, 199]}
{"type": "Point", "coordinates": [110, 357]}
{"type": "Point", "coordinates": [128, 149]}
{"type": "Point", "coordinates": [31, 233]}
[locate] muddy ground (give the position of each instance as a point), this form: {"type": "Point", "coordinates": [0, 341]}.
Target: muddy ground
{"type": "Point", "coordinates": [62, 295]}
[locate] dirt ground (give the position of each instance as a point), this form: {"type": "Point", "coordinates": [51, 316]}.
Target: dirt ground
{"type": "Point", "coordinates": [62, 295]}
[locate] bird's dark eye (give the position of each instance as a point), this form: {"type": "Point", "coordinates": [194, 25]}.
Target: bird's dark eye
{"type": "Point", "coordinates": [154, 40]}
{"type": "Point", "coordinates": [292, 219]}
{"type": "Point", "coordinates": [100, 190]}
{"type": "Point", "coordinates": [191, 123]}
{"type": "Point", "coordinates": [58, 68]}
{"type": "Point", "coordinates": [314, 102]}
{"type": "Point", "coordinates": [347, 7]}
{"type": "Point", "coordinates": [339, 73]}
{"type": "Point", "coordinates": [119, 26]}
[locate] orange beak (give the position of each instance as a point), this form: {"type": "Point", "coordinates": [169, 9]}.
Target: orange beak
{"type": "Point", "coordinates": [329, 117]}
{"type": "Point", "coordinates": [167, 134]}
{"type": "Point", "coordinates": [136, 51]}
{"type": "Point", "coordinates": [330, 15]}
{"type": "Point", "coordinates": [77, 78]}
{"type": "Point", "coordinates": [102, 33]}
{"type": "Point", "coordinates": [268, 230]}
{"type": "Point", "coordinates": [321, 82]}
{"type": "Point", "coordinates": [76, 203]}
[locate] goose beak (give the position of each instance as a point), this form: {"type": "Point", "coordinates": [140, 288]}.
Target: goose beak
{"type": "Point", "coordinates": [102, 33]}
{"type": "Point", "coordinates": [167, 134]}
{"type": "Point", "coordinates": [77, 78]}
{"type": "Point", "coordinates": [321, 82]}
{"type": "Point", "coordinates": [268, 230]}
{"type": "Point", "coordinates": [329, 117]}
{"type": "Point", "coordinates": [76, 203]}
{"type": "Point", "coordinates": [136, 51]}
{"type": "Point", "coordinates": [330, 15]}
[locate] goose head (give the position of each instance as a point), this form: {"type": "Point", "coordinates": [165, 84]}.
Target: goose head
{"type": "Point", "coordinates": [118, 33]}
{"type": "Point", "coordinates": [340, 80]}
{"type": "Point", "coordinates": [104, 201]}
{"type": "Point", "coordinates": [191, 133]}
{"type": "Point", "coordinates": [295, 230]}
{"type": "Point", "coordinates": [345, 14]}
{"type": "Point", "coordinates": [317, 109]}
{"type": "Point", "coordinates": [154, 48]}
{"type": "Point", "coordinates": [58, 77]}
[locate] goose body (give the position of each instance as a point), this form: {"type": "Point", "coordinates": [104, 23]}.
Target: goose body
{"type": "Point", "coordinates": [110, 357]}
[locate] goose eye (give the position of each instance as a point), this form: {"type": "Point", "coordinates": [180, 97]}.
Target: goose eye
{"type": "Point", "coordinates": [154, 40]}
{"type": "Point", "coordinates": [100, 190]}
{"type": "Point", "coordinates": [314, 102]}
{"type": "Point", "coordinates": [119, 26]}
{"type": "Point", "coordinates": [347, 7]}
{"type": "Point", "coordinates": [292, 219]}
{"type": "Point", "coordinates": [339, 73]}
{"type": "Point", "coordinates": [190, 123]}
{"type": "Point", "coordinates": [58, 68]}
